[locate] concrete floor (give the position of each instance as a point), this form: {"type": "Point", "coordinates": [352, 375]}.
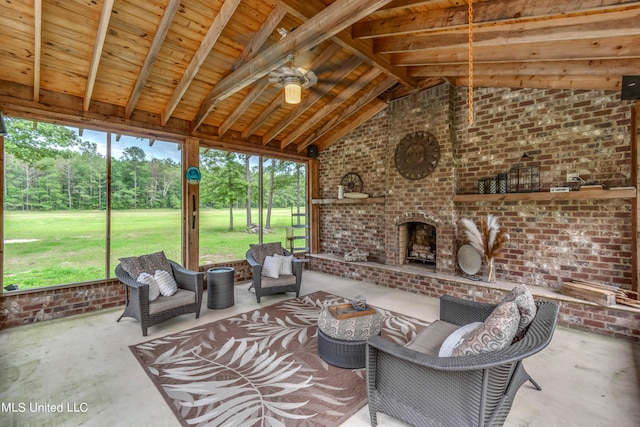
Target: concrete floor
{"type": "Point", "coordinates": [84, 364]}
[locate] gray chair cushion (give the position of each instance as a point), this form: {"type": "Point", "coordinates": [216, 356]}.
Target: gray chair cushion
{"type": "Point", "coordinates": [181, 298]}
{"type": "Point", "coordinates": [431, 338]}
{"type": "Point", "coordinates": [282, 280]}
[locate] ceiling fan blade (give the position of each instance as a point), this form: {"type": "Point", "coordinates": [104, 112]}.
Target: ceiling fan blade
{"type": "Point", "coordinates": [332, 81]}
{"type": "Point", "coordinates": [331, 68]}
{"type": "Point", "coordinates": [312, 78]}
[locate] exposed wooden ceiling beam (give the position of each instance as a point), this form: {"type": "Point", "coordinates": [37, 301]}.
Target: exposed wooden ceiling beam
{"type": "Point", "coordinates": [37, 57]}
{"type": "Point", "coordinates": [103, 27]}
{"type": "Point", "coordinates": [546, 82]}
{"type": "Point", "coordinates": [67, 110]}
{"type": "Point", "coordinates": [549, 68]}
{"type": "Point", "coordinates": [338, 119]}
{"type": "Point", "coordinates": [319, 90]}
{"type": "Point", "coordinates": [253, 95]}
{"type": "Point", "coordinates": [218, 24]}
{"type": "Point", "coordinates": [273, 106]}
{"type": "Point", "coordinates": [321, 114]}
{"type": "Point", "coordinates": [250, 50]}
{"type": "Point", "coordinates": [260, 37]}
{"type": "Point", "coordinates": [152, 55]}
{"type": "Point", "coordinates": [363, 48]}
{"type": "Point", "coordinates": [612, 47]}
{"type": "Point", "coordinates": [328, 22]}
{"type": "Point", "coordinates": [372, 108]}
{"type": "Point", "coordinates": [610, 24]}
{"type": "Point", "coordinates": [401, 4]}
{"type": "Point", "coordinates": [485, 13]}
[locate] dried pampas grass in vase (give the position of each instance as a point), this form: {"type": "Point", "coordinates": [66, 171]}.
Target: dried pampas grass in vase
{"type": "Point", "coordinates": [489, 240]}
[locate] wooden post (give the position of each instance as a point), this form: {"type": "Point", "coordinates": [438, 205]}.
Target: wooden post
{"type": "Point", "coordinates": [190, 206]}
{"type": "Point", "coordinates": [1, 207]}
{"type": "Point", "coordinates": [635, 206]}
{"type": "Point", "coordinates": [314, 217]}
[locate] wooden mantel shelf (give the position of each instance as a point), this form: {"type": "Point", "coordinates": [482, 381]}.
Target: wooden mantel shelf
{"type": "Point", "coordinates": [347, 201]}
{"type": "Point", "coordinates": [547, 195]}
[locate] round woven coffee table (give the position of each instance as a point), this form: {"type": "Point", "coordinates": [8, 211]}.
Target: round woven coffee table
{"type": "Point", "coordinates": [343, 342]}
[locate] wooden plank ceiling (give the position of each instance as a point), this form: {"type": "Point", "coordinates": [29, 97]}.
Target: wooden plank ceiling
{"type": "Point", "coordinates": [201, 68]}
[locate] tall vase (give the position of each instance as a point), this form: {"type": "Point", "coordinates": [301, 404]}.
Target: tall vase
{"type": "Point", "coordinates": [490, 272]}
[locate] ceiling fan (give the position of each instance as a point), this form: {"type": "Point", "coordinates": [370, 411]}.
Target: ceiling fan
{"type": "Point", "coordinates": [293, 79]}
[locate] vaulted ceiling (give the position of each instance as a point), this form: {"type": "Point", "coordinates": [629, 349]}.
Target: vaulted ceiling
{"type": "Point", "coordinates": [205, 68]}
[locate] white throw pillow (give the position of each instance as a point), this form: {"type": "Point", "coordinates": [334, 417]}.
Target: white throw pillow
{"type": "Point", "coordinates": [286, 266]}
{"type": "Point", "coordinates": [147, 279]}
{"type": "Point", "coordinates": [166, 283]}
{"type": "Point", "coordinates": [456, 338]}
{"type": "Point", "coordinates": [271, 267]}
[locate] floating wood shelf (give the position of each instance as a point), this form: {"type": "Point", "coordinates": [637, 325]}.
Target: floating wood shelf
{"type": "Point", "coordinates": [347, 201]}
{"type": "Point", "coordinates": [547, 195]}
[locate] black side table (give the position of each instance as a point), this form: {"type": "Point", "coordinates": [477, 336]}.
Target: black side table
{"type": "Point", "coordinates": [220, 287]}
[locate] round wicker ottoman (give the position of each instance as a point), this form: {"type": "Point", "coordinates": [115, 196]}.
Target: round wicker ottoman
{"type": "Point", "coordinates": [343, 342]}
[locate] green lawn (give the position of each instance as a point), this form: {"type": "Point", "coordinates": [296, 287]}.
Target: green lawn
{"type": "Point", "coordinates": [53, 248]}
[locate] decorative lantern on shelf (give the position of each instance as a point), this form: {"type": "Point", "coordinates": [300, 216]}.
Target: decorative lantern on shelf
{"type": "Point", "coordinates": [481, 186]}
{"type": "Point", "coordinates": [492, 185]}
{"type": "Point", "coordinates": [524, 178]}
{"type": "Point", "coordinates": [503, 183]}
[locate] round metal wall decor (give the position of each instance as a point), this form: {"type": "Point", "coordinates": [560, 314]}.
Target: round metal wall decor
{"type": "Point", "coordinates": [351, 182]}
{"type": "Point", "coordinates": [417, 155]}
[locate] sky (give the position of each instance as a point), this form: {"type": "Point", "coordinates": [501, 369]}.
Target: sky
{"type": "Point", "coordinates": [159, 150]}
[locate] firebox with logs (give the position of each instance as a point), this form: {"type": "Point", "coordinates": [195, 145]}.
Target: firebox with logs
{"type": "Point", "coordinates": [420, 253]}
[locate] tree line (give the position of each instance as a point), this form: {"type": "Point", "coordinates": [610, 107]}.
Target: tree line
{"type": "Point", "coordinates": [50, 167]}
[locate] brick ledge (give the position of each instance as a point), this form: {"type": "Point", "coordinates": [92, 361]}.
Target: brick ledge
{"type": "Point", "coordinates": [619, 321]}
{"type": "Point", "coordinates": [536, 291]}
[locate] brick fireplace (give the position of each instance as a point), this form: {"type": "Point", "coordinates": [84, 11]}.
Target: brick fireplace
{"type": "Point", "coordinates": [417, 240]}
{"type": "Point", "coordinates": [552, 241]}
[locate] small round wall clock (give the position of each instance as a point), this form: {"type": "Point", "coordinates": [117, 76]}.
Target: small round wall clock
{"type": "Point", "coordinates": [417, 155]}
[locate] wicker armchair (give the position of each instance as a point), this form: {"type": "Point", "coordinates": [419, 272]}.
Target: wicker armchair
{"type": "Point", "coordinates": [478, 390]}
{"type": "Point", "coordinates": [187, 300]}
{"type": "Point", "coordinates": [268, 285]}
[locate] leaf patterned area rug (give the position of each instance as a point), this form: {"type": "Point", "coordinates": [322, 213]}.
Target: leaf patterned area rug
{"type": "Point", "coordinates": [261, 368]}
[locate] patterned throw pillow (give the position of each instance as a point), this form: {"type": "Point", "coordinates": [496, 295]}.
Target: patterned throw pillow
{"type": "Point", "coordinates": [271, 267]}
{"type": "Point", "coordinates": [147, 279]}
{"type": "Point", "coordinates": [135, 266]}
{"type": "Point", "coordinates": [286, 267]}
{"type": "Point", "coordinates": [521, 295]}
{"type": "Point", "coordinates": [495, 333]}
{"type": "Point", "coordinates": [166, 283]}
{"type": "Point", "coordinates": [260, 252]}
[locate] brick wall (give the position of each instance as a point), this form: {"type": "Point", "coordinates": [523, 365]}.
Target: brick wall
{"type": "Point", "coordinates": [619, 321]}
{"type": "Point", "coordinates": [18, 308]}
{"type": "Point", "coordinates": [347, 227]}
{"type": "Point", "coordinates": [551, 241]}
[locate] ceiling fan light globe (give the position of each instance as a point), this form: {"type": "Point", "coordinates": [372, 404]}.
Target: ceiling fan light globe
{"type": "Point", "coordinates": [292, 92]}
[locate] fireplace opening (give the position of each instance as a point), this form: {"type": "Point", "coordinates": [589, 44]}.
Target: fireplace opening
{"type": "Point", "coordinates": [421, 243]}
